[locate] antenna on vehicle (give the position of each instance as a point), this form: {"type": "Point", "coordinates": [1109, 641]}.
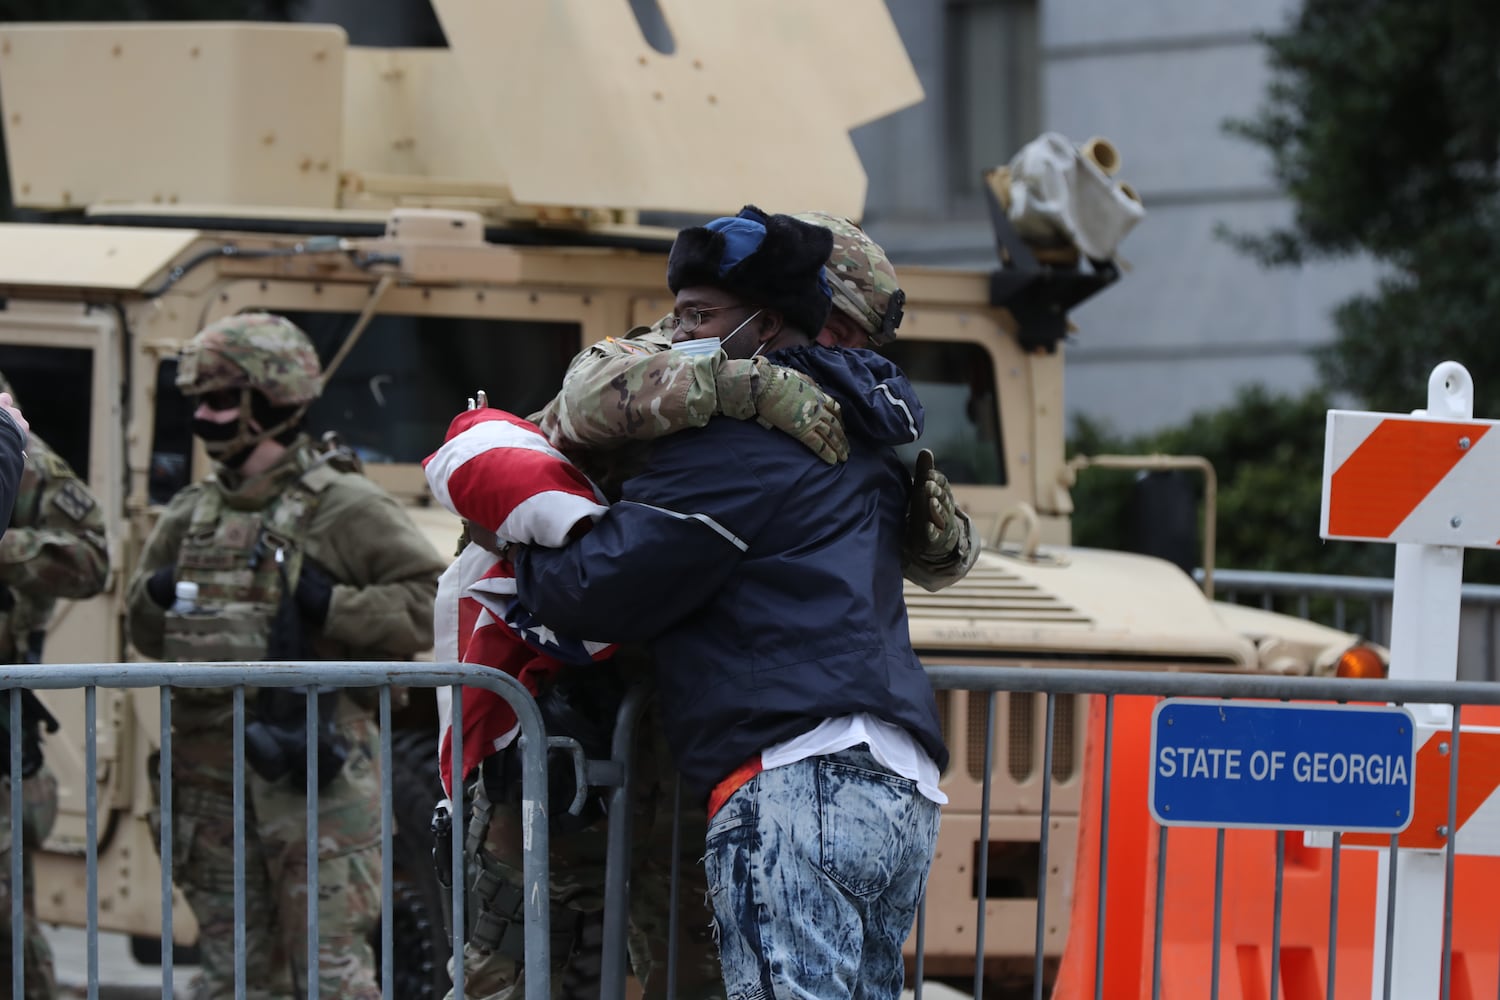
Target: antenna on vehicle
{"type": "Point", "coordinates": [365, 315]}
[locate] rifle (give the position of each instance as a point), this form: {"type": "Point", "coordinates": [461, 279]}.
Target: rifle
{"type": "Point", "coordinates": [34, 716]}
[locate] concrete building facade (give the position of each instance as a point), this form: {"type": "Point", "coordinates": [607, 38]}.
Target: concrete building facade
{"type": "Point", "coordinates": [1192, 319]}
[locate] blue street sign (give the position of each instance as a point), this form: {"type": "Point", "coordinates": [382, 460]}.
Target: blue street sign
{"type": "Point", "coordinates": [1274, 766]}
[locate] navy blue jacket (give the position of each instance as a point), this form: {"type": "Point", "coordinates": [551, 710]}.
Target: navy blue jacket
{"type": "Point", "coordinates": [767, 582]}
{"type": "Point", "coordinates": [12, 465]}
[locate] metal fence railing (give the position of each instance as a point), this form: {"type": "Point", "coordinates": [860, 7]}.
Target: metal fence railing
{"type": "Point", "coordinates": [309, 676]}
{"type": "Point", "coordinates": [1071, 839]}
{"type": "Point", "coordinates": [1108, 688]}
{"type": "Point", "coordinates": [1363, 605]}
{"type": "Point", "coordinates": [1095, 844]}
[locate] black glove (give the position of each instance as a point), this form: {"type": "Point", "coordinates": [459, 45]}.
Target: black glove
{"type": "Point", "coordinates": [584, 712]}
{"type": "Point", "coordinates": [34, 717]}
{"type": "Point", "coordinates": [161, 586]}
{"type": "Point", "coordinates": [314, 592]}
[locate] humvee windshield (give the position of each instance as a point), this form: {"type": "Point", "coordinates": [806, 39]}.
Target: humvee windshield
{"type": "Point", "coordinates": [392, 398]}
{"type": "Point", "coordinates": [55, 388]}
{"type": "Point", "coordinates": [956, 383]}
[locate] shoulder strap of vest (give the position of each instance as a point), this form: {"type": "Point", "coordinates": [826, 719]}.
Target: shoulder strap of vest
{"type": "Point", "coordinates": [330, 458]}
{"type": "Point", "coordinates": [318, 477]}
{"type": "Point", "coordinates": [207, 509]}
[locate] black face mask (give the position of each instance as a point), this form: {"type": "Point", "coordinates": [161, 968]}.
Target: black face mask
{"type": "Point", "coordinates": [215, 433]}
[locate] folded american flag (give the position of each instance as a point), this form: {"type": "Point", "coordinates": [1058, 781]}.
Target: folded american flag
{"type": "Point", "coordinates": [498, 472]}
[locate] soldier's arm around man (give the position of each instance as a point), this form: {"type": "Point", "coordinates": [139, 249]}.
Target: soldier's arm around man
{"type": "Point", "coordinates": [638, 389]}
{"type": "Point", "coordinates": [628, 389]}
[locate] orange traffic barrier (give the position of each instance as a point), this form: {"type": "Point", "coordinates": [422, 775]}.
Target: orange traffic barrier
{"type": "Point", "coordinates": [1248, 901]}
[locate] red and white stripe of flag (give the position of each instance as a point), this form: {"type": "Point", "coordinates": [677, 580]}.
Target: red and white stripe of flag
{"type": "Point", "coordinates": [499, 472]}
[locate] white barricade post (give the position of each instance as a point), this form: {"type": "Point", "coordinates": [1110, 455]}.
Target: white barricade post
{"type": "Point", "coordinates": [1427, 483]}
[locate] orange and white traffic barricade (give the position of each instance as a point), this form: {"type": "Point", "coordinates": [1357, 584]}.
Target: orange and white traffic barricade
{"type": "Point", "coordinates": [1246, 906]}
{"type": "Point", "coordinates": [1427, 482]}
{"type": "Point", "coordinates": [1474, 804]}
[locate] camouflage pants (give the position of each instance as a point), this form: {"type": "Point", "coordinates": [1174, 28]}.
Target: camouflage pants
{"type": "Point", "coordinates": [276, 873]}
{"type": "Point", "coordinates": [38, 813]}
{"type": "Point", "coordinates": [577, 864]}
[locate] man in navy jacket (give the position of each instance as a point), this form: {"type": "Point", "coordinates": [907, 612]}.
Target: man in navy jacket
{"type": "Point", "coordinates": [768, 585]}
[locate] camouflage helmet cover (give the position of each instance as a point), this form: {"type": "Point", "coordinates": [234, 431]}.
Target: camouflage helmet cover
{"type": "Point", "coordinates": [863, 281]}
{"type": "Point", "coordinates": [252, 350]}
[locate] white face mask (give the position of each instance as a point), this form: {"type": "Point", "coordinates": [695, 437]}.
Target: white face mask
{"type": "Point", "coordinates": [712, 345]}
{"type": "Point", "coordinates": [698, 348]}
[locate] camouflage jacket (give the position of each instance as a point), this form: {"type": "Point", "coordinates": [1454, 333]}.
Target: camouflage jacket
{"type": "Point", "coordinates": [385, 570]}
{"type": "Point", "coordinates": [54, 548]}
{"type": "Point", "coordinates": [622, 392]}
{"type": "Point", "coordinates": [629, 390]}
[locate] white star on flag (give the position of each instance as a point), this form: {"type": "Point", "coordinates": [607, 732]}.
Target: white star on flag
{"type": "Point", "coordinates": [544, 635]}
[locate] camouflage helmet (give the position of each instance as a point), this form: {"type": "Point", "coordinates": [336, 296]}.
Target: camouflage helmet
{"type": "Point", "coordinates": [252, 351]}
{"type": "Point", "coordinates": [863, 281]}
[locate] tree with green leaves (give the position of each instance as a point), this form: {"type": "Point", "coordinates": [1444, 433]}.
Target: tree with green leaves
{"type": "Point", "coordinates": [1267, 452]}
{"type": "Point", "coordinates": [1383, 126]}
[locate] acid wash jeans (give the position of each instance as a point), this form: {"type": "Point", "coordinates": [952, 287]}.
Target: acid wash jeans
{"type": "Point", "coordinates": [816, 869]}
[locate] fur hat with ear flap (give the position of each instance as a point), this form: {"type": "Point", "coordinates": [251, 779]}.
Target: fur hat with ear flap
{"type": "Point", "coordinates": [772, 261]}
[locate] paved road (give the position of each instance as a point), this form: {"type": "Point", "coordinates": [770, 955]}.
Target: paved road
{"type": "Point", "coordinates": [121, 977]}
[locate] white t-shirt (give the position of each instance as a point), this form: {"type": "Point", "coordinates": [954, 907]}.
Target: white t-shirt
{"type": "Point", "coordinates": [892, 746]}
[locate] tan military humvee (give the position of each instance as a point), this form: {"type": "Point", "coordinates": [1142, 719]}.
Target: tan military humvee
{"type": "Point", "coordinates": [468, 218]}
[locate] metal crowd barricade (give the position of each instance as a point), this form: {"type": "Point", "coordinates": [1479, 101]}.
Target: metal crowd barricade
{"type": "Point", "coordinates": [311, 676]}
{"type": "Point", "coordinates": [1363, 604]}
{"type": "Point", "coordinates": [1111, 684]}
{"type": "Point", "coordinates": [1053, 684]}
{"type": "Point", "coordinates": [617, 775]}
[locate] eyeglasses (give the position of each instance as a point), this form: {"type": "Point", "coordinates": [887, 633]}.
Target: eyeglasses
{"type": "Point", "coordinates": [691, 317]}
{"type": "Point", "coordinates": [220, 399]}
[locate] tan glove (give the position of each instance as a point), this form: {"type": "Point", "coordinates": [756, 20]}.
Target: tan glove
{"type": "Point", "coordinates": [932, 522]}
{"type": "Point", "coordinates": [786, 400]}
{"type": "Point", "coordinates": [793, 404]}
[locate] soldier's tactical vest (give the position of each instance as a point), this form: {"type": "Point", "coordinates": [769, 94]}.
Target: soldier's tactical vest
{"type": "Point", "coordinates": [242, 560]}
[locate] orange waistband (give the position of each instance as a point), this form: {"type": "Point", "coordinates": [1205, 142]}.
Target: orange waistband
{"type": "Point", "coordinates": [731, 784]}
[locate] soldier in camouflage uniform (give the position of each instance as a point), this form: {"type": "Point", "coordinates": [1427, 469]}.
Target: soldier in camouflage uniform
{"type": "Point", "coordinates": [54, 548]}
{"type": "Point", "coordinates": [625, 392]}
{"type": "Point", "coordinates": [296, 556]}
{"type": "Point", "coordinates": [867, 306]}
